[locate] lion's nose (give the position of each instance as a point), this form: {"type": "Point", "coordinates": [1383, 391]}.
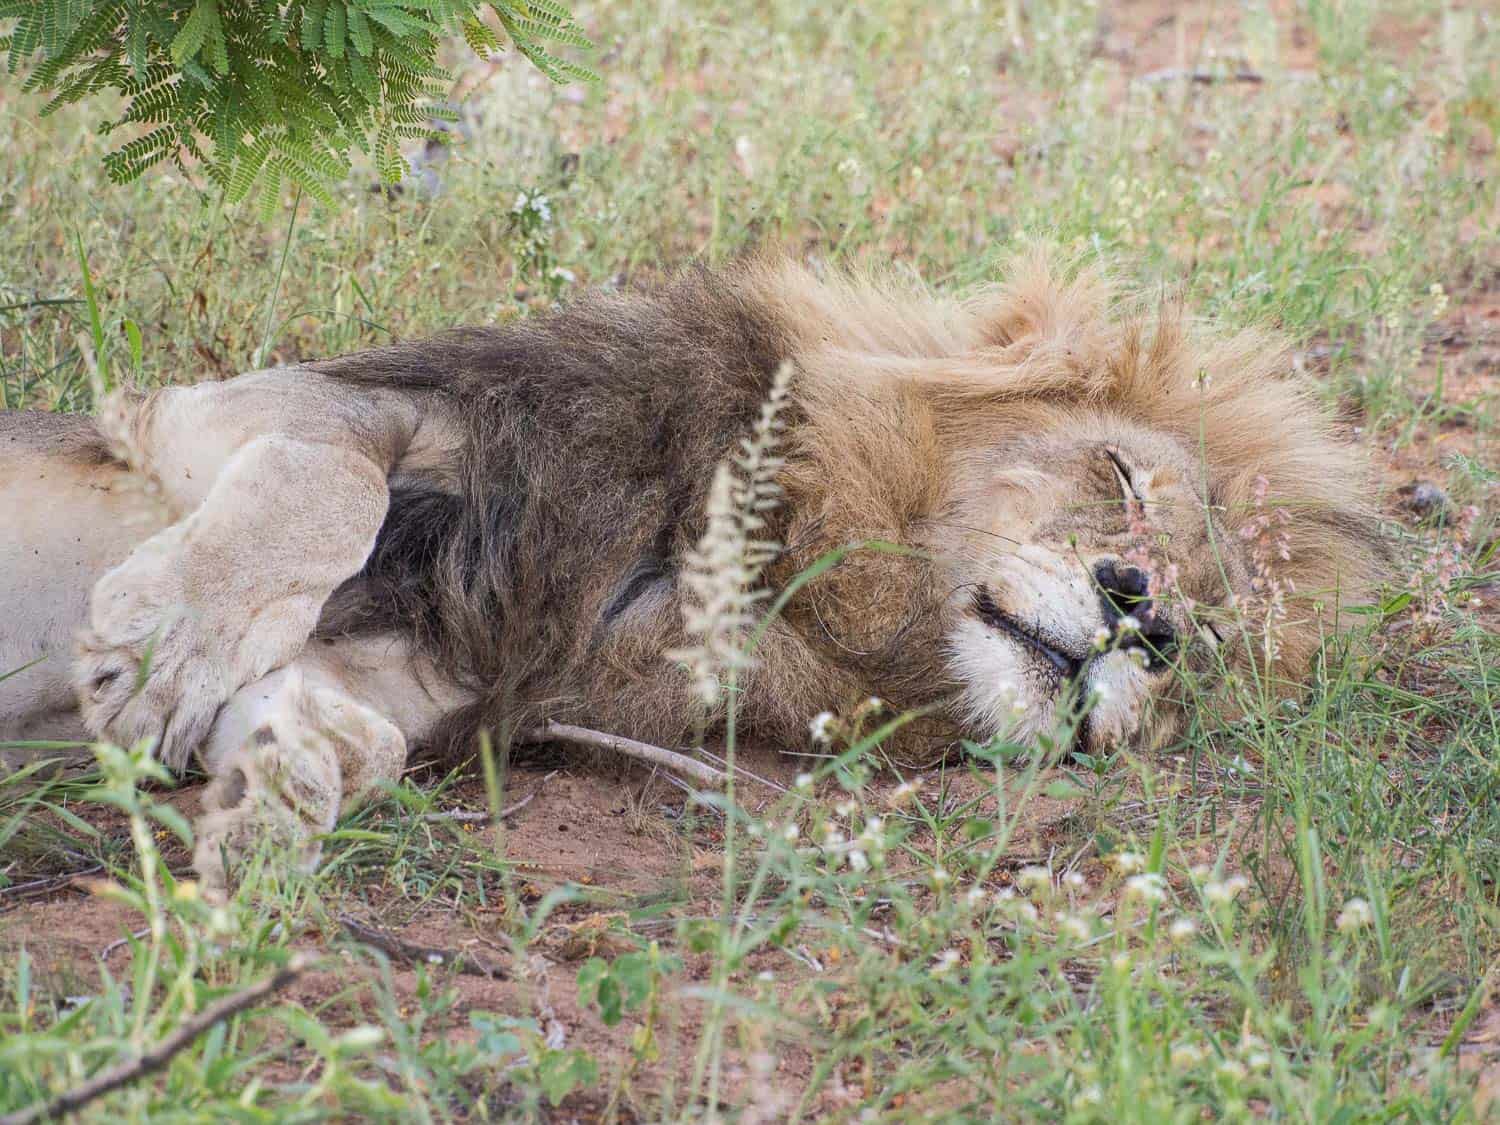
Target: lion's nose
{"type": "Point", "coordinates": [1123, 589]}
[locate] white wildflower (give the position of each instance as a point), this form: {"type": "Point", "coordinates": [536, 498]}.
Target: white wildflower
{"type": "Point", "coordinates": [1128, 863]}
{"type": "Point", "coordinates": [946, 961]}
{"type": "Point", "coordinates": [790, 832]}
{"type": "Point", "coordinates": [1182, 929]}
{"type": "Point", "coordinates": [1128, 624]}
{"type": "Point", "coordinates": [1075, 881]}
{"type": "Point", "coordinates": [1148, 886]}
{"type": "Point", "coordinates": [720, 574]}
{"type": "Point", "coordinates": [1034, 878]}
{"type": "Point", "coordinates": [1087, 1097]}
{"type": "Point", "coordinates": [1356, 915]}
{"type": "Point", "coordinates": [1074, 926]}
{"type": "Point", "coordinates": [1228, 890]}
{"type": "Point", "coordinates": [940, 877]}
{"type": "Point", "coordinates": [1101, 638]}
{"type": "Point", "coordinates": [765, 976]}
{"type": "Point", "coordinates": [1186, 1055]}
{"type": "Point", "coordinates": [804, 781]}
{"type": "Point", "coordinates": [822, 727]}
{"type": "Point", "coordinates": [903, 793]}
{"type": "Point", "coordinates": [858, 860]}
{"type": "Point", "coordinates": [975, 896]}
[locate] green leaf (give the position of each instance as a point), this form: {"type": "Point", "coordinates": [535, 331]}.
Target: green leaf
{"type": "Point", "coordinates": [194, 31]}
{"type": "Point", "coordinates": [562, 1072]}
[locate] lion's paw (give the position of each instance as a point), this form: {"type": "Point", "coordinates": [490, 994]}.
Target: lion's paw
{"type": "Point", "coordinates": [171, 637]}
{"type": "Point", "coordinates": [283, 786]}
{"type": "Point", "coordinates": [286, 757]}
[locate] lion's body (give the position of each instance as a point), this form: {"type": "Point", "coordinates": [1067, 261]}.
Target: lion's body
{"type": "Point", "coordinates": [402, 546]}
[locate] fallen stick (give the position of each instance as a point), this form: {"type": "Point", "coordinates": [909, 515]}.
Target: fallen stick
{"type": "Point", "coordinates": [482, 816]}
{"type": "Point", "coordinates": [410, 952]}
{"type": "Point", "coordinates": [667, 759]}
{"type": "Point", "coordinates": [159, 1055]}
{"type": "Point", "coordinates": [1201, 77]}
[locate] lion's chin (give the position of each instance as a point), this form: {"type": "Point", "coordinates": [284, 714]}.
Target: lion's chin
{"type": "Point", "coordinates": [1008, 692]}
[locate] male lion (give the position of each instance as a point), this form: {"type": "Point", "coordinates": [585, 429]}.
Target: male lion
{"type": "Point", "coordinates": [302, 572]}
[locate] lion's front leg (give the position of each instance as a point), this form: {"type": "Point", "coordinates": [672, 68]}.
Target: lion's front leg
{"type": "Point", "coordinates": [228, 593]}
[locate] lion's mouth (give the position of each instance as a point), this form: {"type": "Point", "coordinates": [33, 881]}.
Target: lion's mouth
{"type": "Point", "coordinates": [1031, 637]}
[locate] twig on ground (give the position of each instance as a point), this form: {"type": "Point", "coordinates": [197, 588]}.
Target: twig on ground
{"type": "Point", "coordinates": [477, 816]}
{"type": "Point", "coordinates": [158, 1056]}
{"type": "Point", "coordinates": [1200, 77]}
{"type": "Point", "coordinates": [742, 771]}
{"type": "Point", "coordinates": [36, 887]}
{"type": "Point", "coordinates": [114, 945]}
{"type": "Point", "coordinates": [668, 759]}
{"type": "Point", "coordinates": [402, 950]}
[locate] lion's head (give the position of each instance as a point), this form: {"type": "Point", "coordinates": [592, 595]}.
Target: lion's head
{"type": "Point", "coordinates": [1104, 498]}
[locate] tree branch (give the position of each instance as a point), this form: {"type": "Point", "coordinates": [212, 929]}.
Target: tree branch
{"type": "Point", "coordinates": [158, 1056]}
{"type": "Point", "coordinates": [410, 952]}
{"type": "Point", "coordinates": [700, 772]}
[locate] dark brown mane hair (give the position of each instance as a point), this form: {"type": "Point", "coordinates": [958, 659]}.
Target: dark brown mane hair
{"type": "Point", "coordinates": [587, 439]}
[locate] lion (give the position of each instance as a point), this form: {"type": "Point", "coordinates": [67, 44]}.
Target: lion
{"type": "Point", "coordinates": [302, 574]}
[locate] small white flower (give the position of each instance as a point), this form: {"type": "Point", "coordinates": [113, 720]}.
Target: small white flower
{"type": "Point", "coordinates": [849, 168]}
{"type": "Point", "coordinates": [1258, 1060]}
{"type": "Point", "coordinates": [804, 781]}
{"type": "Point", "coordinates": [1101, 693]}
{"type": "Point", "coordinates": [1076, 881]}
{"type": "Point", "coordinates": [822, 726]}
{"type": "Point", "coordinates": [1074, 926]}
{"type": "Point", "coordinates": [564, 274]}
{"type": "Point", "coordinates": [845, 807]}
{"type": "Point", "coordinates": [1233, 1069]}
{"type": "Point", "coordinates": [790, 832]}
{"type": "Point", "coordinates": [765, 976]}
{"type": "Point", "coordinates": [1200, 871]}
{"type": "Point", "coordinates": [903, 793]}
{"type": "Point", "coordinates": [1034, 878]}
{"type": "Point", "coordinates": [940, 877]}
{"type": "Point", "coordinates": [1088, 1096]}
{"type": "Point", "coordinates": [1241, 765]}
{"type": "Point", "coordinates": [1101, 638]}
{"type": "Point", "coordinates": [1148, 886]}
{"type": "Point", "coordinates": [832, 837]}
{"type": "Point", "coordinates": [1128, 624]}
{"type": "Point", "coordinates": [1226, 891]}
{"type": "Point", "coordinates": [1182, 929]}
{"type": "Point", "coordinates": [1018, 706]}
{"type": "Point", "coordinates": [873, 827]}
{"type": "Point", "coordinates": [1128, 863]}
{"type": "Point", "coordinates": [1186, 1055]}
{"type": "Point", "coordinates": [1138, 657]}
{"type": "Point", "coordinates": [858, 861]}
{"type": "Point", "coordinates": [1356, 915]}
{"type": "Point", "coordinates": [946, 961]}
{"type": "Point", "coordinates": [962, 70]}
{"type": "Point", "coordinates": [975, 896]}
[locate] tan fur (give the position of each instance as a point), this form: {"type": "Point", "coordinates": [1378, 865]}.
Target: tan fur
{"type": "Point", "coordinates": [545, 481]}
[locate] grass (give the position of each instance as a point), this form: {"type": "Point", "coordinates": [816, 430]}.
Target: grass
{"type": "Point", "coordinates": [1124, 939]}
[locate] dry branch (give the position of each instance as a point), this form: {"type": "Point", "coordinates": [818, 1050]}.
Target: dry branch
{"type": "Point", "coordinates": [668, 759]}
{"type": "Point", "coordinates": [1201, 77]}
{"type": "Point", "coordinates": [411, 952]}
{"type": "Point", "coordinates": [159, 1055]}
{"type": "Point", "coordinates": [483, 816]}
